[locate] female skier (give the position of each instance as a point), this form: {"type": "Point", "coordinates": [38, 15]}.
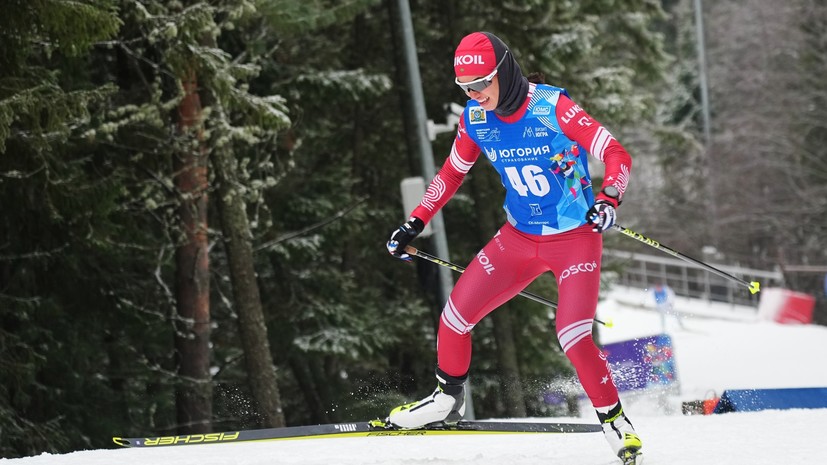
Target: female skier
{"type": "Point", "coordinates": [537, 139]}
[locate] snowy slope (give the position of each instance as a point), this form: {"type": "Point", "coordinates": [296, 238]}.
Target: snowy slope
{"type": "Point", "coordinates": [723, 347]}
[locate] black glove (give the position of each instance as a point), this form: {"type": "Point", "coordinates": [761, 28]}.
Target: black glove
{"type": "Point", "coordinates": [403, 236]}
{"type": "Point", "coordinates": [602, 215]}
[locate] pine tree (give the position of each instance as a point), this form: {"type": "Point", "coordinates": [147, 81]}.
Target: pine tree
{"type": "Point", "coordinates": [52, 210]}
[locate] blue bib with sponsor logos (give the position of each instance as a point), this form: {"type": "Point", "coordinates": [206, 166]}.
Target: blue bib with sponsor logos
{"type": "Point", "coordinates": [545, 174]}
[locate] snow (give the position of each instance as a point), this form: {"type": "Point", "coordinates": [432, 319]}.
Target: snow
{"type": "Point", "coordinates": [722, 347]}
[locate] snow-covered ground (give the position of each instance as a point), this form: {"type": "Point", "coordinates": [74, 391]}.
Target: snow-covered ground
{"type": "Point", "coordinates": [722, 347]}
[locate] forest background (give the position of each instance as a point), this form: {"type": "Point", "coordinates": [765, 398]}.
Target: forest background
{"type": "Point", "coordinates": [196, 195]}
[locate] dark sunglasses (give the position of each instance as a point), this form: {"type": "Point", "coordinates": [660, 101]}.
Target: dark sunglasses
{"type": "Point", "coordinates": [478, 85]}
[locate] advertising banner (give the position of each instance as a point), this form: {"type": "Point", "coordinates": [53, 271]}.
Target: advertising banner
{"type": "Point", "coordinates": [642, 363]}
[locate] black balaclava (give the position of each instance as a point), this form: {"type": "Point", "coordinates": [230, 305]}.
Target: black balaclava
{"type": "Point", "coordinates": [513, 85]}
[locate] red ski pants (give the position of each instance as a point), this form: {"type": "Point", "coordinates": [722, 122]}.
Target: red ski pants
{"type": "Point", "coordinates": [503, 268]}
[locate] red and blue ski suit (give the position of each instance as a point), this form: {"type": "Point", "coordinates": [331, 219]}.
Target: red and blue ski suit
{"type": "Point", "coordinates": [540, 152]}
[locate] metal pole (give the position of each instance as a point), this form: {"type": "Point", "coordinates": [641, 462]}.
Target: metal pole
{"type": "Point", "coordinates": [420, 122]}
{"type": "Point", "coordinates": [426, 155]}
{"type": "Point", "coordinates": [707, 130]}
{"type": "Point", "coordinates": [699, 34]}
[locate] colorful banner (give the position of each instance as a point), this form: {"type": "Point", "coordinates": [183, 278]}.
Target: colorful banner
{"type": "Point", "coordinates": [642, 363]}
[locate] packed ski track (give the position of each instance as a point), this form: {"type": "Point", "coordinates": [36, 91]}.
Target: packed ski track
{"type": "Point", "coordinates": [722, 347]}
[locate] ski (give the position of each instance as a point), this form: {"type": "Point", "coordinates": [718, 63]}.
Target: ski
{"type": "Point", "coordinates": [357, 429]}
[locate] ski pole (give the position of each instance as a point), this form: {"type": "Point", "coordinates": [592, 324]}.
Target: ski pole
{"type": "Point", "coordinates": [414, 252]}
{"type": "Point", "coordinates": [753, 286]}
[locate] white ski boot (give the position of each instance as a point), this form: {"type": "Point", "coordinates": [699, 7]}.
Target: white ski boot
{"type": "Point", "coordinates": [446, 404]}
{"type": "Point", "coordinates": [620, 433]}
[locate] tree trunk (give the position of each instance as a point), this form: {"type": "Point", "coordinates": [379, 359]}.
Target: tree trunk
{"type": "Point", "coordinates": [247, 300]}
{"type": "Point", "coordinates": [511, 382]}
{"type": "Point", "coordinates": [304, 378]}
{"type": "Point", "coordinates": [511, 385]}
{"type": "Point", "coordinates": [192, 278]}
